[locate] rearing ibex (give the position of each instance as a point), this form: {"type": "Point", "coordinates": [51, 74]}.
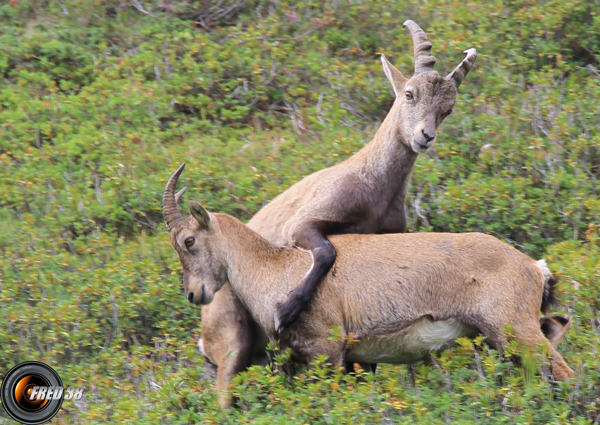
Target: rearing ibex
{"type": "Point", "coordinates": [364, 194]}
{"type": "Point", "coordinates": [400, 295]}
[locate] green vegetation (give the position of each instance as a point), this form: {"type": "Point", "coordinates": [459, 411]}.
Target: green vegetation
{"type": "Point", "coordinates": [101, 100]}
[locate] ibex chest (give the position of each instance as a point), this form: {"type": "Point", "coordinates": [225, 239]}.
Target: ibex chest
{"type": "Point", "coordinates": [387, 211]}
{"type": "Point", "coordinates": [379, 215]}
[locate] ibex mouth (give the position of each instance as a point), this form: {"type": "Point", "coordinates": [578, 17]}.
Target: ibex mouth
{"type": "Point", "coordinates": [419, 147]}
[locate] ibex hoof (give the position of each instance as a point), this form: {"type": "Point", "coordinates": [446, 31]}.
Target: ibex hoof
{"type": "Point", "coordinates": [288, 312]}
{"type": "Point", "coordinates": [278, 326]}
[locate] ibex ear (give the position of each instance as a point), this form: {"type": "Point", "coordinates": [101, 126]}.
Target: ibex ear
{"type": "Point", "coordinates": [391, 72]}
{"type": "Point", "coordinates": [200, 214]}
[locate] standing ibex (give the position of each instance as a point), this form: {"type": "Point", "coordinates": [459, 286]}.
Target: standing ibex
{"type": "Point", "coordinates": [364, 194]}
{"type": "Point", "coordinates": [400, 295]}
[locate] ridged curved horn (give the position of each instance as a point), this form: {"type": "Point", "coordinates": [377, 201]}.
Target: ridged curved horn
{"type": "Point", "coordinates": [461, 71]}
{"type": "Point", "coordinates": [423, 60]}
{"type": "Point", "coordinates": [173, 217]}
{"type": "Point", "coordinates": [179, 194]}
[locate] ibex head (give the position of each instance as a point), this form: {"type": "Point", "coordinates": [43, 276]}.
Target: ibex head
{"type": "Point", "coordinates": [427, 98]}
{"type": "Point", "coordinates": [196, 241]}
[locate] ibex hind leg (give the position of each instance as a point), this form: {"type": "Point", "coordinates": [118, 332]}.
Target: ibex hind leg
{"type": "Point", "coordinates": [529, 336]}
{"type": "Point", "coordinates": [555, 327]}
{"type": "Point", "coordinates": [309, 237]}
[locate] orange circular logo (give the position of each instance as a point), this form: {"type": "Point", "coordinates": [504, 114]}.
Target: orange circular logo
{"type": "Point", "coordinates": [32, 393]}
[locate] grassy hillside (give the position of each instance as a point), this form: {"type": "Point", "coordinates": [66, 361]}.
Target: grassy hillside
{"type": "Point", "coordinates": [101, 100]}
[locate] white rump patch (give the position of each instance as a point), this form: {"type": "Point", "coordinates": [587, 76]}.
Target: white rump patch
{"type": "Point", "coordinates": [545, 270]}
{"type": "Point", "coordinates": [201, 347]}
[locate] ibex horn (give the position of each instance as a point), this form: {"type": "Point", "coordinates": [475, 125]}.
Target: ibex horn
{"type": "Point", "coordinates": [173, 217]}
{"type": "Point", "coordinates": [463, 68]}
{"type": "Point", "coordinates": [423, 60]}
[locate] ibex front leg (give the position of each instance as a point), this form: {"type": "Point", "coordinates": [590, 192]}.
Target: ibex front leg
{"type": "Point", "coordinates": [309, 236]}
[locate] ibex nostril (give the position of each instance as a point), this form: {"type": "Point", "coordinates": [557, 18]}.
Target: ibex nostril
{"type": "Point", "coordinates": [428, 138]}
{"type": "Point", "coordinates": [190, 297]}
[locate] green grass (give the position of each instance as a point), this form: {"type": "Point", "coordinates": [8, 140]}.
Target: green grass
{"type": "Point", "coordinates": [100, 102]}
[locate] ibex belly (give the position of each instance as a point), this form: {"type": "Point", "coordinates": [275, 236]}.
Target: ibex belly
{"type": "Point", "coordinates": [410, 344]}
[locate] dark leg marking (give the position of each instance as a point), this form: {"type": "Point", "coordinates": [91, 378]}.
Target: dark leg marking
{"type": "Point", "coordinates": [310, 237]}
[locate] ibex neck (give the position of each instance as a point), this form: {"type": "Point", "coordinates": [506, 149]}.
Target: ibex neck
{"type": "Point", "coordinates": [388, 157]}
{"type": "Point", "coordinates": [259, 271]}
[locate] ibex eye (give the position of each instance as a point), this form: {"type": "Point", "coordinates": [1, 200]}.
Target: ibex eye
{"type": "Point", "coordinates": [189, 242]}
{"type": "Point", "coordinates": [409, 95]}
